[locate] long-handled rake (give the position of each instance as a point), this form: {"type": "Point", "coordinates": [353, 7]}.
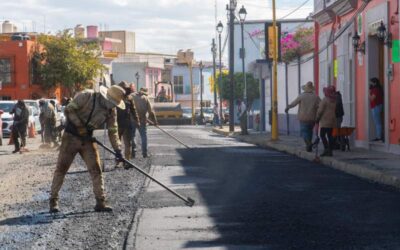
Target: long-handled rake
{"type": "Point", "coordinates": [188, 201]}
{"type": "Point", "coordinates": [165, 132]}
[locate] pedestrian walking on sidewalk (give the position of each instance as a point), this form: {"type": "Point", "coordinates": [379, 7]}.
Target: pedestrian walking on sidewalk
{"type": "Point", "coordinates": [126, 118]}
{"type": "Point", "coordinates": [376, 105]}
{"type": "Point", "coordinates": [308, 105]}
{"type": "Point", "coordinates": [144, 108]}
{"type": "Point", "coordinates": [88, 111]}
{"type": "Point", "coordinates": [20, 125]}
{"type": "Point", "coordinates": [242, 114]}
{"type": "Point", "coordinates": [326, 116]}
{"type": "Point", "coordinates": [215, 115]}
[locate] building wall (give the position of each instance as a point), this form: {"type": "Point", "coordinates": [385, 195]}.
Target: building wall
{"type": "Point", "coordinates": [22, 86]}
{"type": "Point", "coordinates": [127, 39]}
{"type": "Point", "coordinates": [354, 69]}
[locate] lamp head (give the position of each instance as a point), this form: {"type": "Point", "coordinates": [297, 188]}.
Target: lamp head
{"type": "Point", "coordinates": [220, 27]}
{"type": "Point", "coordinates": [242, 14]}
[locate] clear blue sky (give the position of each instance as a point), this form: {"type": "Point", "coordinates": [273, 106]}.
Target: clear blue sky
{"type": "Point", "coordinates": [160, 25]}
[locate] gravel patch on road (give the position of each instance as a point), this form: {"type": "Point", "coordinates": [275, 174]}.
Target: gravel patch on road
{"type": "Point", "coordinates": [24, 191]}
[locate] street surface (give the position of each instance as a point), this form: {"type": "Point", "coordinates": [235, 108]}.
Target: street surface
{"type": "Point", "coordinates": [246, 198]}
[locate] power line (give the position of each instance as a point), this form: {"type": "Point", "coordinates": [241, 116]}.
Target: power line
{"type": "Point", "coordinates": [293, 11]}
{"type": "Point", "coordinates": [331, 41]}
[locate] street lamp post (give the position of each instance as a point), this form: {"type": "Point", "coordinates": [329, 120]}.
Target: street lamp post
{"type": "Point", "coordinates": [220, 28]}
{"type": "Point", "coordinates": [242, 17]}
{"type": "Point", "coordinates": [214, 51]}
{"type": "Point", "coordinates": [137, 80]}
{"type": "Point", "coordinates": [201, 67]}
{"type": "Point", "coordinates": [231, 8]}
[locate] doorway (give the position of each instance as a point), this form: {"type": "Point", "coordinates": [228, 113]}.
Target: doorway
{"type": "Point", "coordinates": [376, 69]}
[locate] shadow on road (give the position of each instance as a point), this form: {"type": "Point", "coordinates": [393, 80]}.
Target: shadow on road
{"type": "Point", "coordinates": [43, 218]}
{"type": "Point", "coordinates": [268, 199]}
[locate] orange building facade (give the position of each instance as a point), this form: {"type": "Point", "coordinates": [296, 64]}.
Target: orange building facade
{"type": "Point", "coordinates": [17, 75]}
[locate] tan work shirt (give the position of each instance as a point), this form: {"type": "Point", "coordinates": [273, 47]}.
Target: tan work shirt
{"type": "Point", "coordinates": [143, 106]}
{"type": "Point", "coordinates": [78, 111]}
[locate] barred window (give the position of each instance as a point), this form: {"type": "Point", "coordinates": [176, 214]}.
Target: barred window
{"type": "Point", "coordinates": [5, 71]}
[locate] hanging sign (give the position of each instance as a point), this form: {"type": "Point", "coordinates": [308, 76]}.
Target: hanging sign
{"type": "Point", "coordinates": [269, 41]}
{"type": "Point", "coordinates": [359, 24]}
{"type": "Point", "coordinates": [396, 51]}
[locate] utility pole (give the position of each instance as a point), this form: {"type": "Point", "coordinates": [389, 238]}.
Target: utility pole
{"type": "Point", "coordinates": [201, 66]}
{"type": "Point", "coordinates": [232, 7]}
{"type": "Point", "coordinates": [274, 127]}
{"type": "Point", "coordinates": [190, 63]}
{"type": "Point", "coordinates": [242, 17]}
{"type": "Point", "coordinates": [214, 51]}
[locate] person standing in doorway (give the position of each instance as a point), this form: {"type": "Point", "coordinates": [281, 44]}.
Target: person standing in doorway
{"type": "Point", "coordinates": [326, 116]}
{"type": "Point", "coordinates": [376, 105]}
{"type": "Point", "coordinates": [308, 104]}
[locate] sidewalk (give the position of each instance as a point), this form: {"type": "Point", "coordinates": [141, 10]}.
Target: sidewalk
{"type": "Point", "coordinates": [375, 166]}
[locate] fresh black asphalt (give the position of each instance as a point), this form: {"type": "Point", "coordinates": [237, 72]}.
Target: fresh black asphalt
{"type": "Point", "coordinates": [273, 200]}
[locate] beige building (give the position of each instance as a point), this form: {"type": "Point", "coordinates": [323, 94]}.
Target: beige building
{"type": "Point", "coordinates": [127, 38]}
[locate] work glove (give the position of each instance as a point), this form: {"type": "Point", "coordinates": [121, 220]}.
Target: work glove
{"type": "Point", "coordinates": [118, 156]}
{"type": "Point", "coordinates": [82, 132]}
{"type": "Point", "coordinates": [286, 110]}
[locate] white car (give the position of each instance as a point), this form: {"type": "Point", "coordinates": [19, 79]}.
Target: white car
{"type": "Point", "coordinates": [6, 117]}
{"type": "Point", "coordinates": [34, 104]}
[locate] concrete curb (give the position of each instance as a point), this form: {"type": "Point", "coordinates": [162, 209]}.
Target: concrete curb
{"type": "Point", "coordinates": [374, 175]}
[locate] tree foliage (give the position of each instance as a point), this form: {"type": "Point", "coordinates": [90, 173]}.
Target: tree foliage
{"type": "Point", "coordinates": [253, 88]}
{"type": "Point", "coordinates": [68, 62]}
{"type": "Point", "coordinates": [297, 44]}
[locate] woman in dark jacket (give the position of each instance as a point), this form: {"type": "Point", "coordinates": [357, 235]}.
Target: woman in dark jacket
{"type": "Point", "coordinates": [20, 125]}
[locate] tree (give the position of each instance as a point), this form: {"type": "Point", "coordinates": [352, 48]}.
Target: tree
{"type": "Point", "coordinates": [66, 61]}
{"type": "Point", "coordinates": [297, 44]}
{"type": "Point", "coordinates": [253, 90]}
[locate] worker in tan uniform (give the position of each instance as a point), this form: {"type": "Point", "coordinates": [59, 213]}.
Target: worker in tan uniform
{"type": "Point", "coordinates": [127, 118]}
{"type": "Point", "coordinates": [89, 110]}
{"type": "Point", "coordinates": [143, 107]}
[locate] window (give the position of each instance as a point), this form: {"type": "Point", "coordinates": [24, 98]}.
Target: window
{"type": "Point", "coordinates": [5, 71]}
{"type": "Point", "coordinates": [178, 84]}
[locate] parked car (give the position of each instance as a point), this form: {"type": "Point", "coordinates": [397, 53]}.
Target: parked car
{"type": "Point", "coordinates": [6, 117]}
{"type": "Point", "coordinates": [187, 113]}
{"type": "Point", "coordinates": [34, 104]}
{"type": "Point", "coordinates": [208, 115]}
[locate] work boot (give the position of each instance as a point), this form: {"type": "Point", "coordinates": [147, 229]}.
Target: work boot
{"type": "Point", "coordinates": [308, 145]}
{"type": "Point", "coordinates": [145, 155]}
{"type": "Point", "coordinates": [54, 206]}
{"type": "Point", "coordinates": [101, 206]}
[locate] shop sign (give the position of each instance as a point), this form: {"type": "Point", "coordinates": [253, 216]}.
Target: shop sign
{"type": "Point", "coordinates": [396, 51]}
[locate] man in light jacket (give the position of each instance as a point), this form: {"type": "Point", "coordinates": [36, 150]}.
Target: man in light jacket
{"type": "Point", "coordinates": [308, 105]}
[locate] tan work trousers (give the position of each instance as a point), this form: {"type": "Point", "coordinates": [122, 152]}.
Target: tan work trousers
{"type": "Point", "coordinates": [70, 146]}
{"type": "Point", "coordinates": [126, 135]}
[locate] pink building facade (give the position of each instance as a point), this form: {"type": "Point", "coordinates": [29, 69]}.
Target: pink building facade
{"type": "Point", "coordinates": [357, 40]}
